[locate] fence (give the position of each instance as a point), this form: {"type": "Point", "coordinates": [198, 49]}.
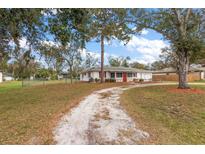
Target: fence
{"type": "Point", "coordinates": [193, 76]}
{"type": "Point", "coordinates": [36, 82]}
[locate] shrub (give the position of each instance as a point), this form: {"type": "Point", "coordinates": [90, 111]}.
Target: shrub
{"type": "Point", "coordinates": [110, 80]}
{"type": "Point", "coordinates": [91, 80]}
{"type": "Point", "coordinates": [141, 80]}
{"type": "Point", "coordinates": [135, 80]}
{"type": "Point", "coordinates": [97, 80]}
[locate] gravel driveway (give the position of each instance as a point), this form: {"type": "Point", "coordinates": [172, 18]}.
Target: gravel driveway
{"type": "Point", "coordinates": [99, 119]}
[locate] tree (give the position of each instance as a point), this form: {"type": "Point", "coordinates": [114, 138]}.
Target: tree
{"type": "Point", "coordinates": [138, 65]}
{"type": "Point", "coordinates": [90, 61]}
{"type": "Point", "coordinates": [68, 27]}
{"type": "Point", "coordinates": [52, 56]}
{"type": "Point", "coordinates": [125, 61]}
{"type": "Point", "coordinates": [72, 56]}
{"type": "Point", "coordinates": [108, 24]}
{"type": "Point", "coordinates": [24, 66]}
{"type": "Point", "coordinates": [16, 25]}
{"type": "Point", "coordinates": [4, 57]}
{"type": "Point", "coordinates": [42, 73]}
{"type": "Point", "coordinates": [116, 62]}
{"type": "Point", "coordinates": [184, 28]}
{"type": "Point", "coordinates": [119, 61]}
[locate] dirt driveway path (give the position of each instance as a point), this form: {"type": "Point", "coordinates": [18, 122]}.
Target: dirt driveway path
{"type": "Point", "coordinates": [99, 119]}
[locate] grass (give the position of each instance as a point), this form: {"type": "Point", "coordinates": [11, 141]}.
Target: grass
{"type": "Point", "coordinates": [170, 118]}
{"type": "Point", "coordinates": [9, 85]}
{"type": "Point", "coordinates": [6, 86]}
{"type": "Point", "coordinates": [28, 115]}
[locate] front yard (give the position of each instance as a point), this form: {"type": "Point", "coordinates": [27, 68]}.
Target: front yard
{"type": "Point", "coordinates": [169, 117]}
{"type": "Point", "coordinates": [28, 115]}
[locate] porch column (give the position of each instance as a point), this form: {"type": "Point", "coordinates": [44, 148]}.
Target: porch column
{"type": "Point", "coordinates": [115, 75]}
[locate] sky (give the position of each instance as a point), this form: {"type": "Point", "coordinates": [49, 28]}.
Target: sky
{"type": "Point", "coordinates": [144, 48]}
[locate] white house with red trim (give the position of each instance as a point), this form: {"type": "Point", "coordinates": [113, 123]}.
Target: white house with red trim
{"type": "Point", "coordinates": [120, 74]}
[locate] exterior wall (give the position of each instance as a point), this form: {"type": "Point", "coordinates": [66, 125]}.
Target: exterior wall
{"type": "Point", "coordinates": [108, 76]}
{"type": "Point", "coordinates": [94, 75]}
{"type": "Point", "coordinates": [145, 76]}
{"type": "Point", "coordinates": [84, 77]}
{"type": "Point", "coordinates": [1, 77]}
{"type": "Point", "coordinates": [192, 76]}
{"type": "Point", "coordinates": [202, 75]}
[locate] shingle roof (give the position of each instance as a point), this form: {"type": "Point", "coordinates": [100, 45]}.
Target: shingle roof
{"type": "Point", "coordinates": [116, 69]}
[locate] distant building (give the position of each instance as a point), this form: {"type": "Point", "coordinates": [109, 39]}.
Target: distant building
{"type": "Point", "coordinates": [62, 75]}
{"type": "Point", "coordinates": [7, 77]}
{"type": "Point", "coordinates": [119, 74]}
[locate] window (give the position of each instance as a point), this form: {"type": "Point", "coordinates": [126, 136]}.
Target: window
{"type": "Point", "coordinates": [112, 75]}
{"type": "Point", "coordinates": [89, 74]}
{"type": "Point", "coordinates": [129, 74]}
{"type": "Point", "coordinates": [119, 75]}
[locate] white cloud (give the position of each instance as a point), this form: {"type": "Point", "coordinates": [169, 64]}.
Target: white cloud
{"type": "Point", "coordinates": [23, 43]}
{"type": "Point", "coordinates": [149, 50]}
{"type": "Point", "coordinates": [98, 55]}
{"type": "Point", "coordinates": [144, 32]}
{"type": "Point", "coordinates": [50, 43]}
{"type": "Point", "coordinates": [94, 54]}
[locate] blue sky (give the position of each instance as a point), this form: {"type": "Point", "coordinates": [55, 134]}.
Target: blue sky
{"type": "Point", "coordinates": [144, 48]}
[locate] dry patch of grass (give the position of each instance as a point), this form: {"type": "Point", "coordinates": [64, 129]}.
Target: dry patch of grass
{"type": "Point", "coordinates": [28, 115]}
{"type": "Point", "coordinates": [105, 95]}
{"type": "Point", "coordinates": [170, 118]}
{"type": "Point", "coordinates": [105, 115]}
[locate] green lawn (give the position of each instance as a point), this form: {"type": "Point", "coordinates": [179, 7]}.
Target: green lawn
{"type": "Point", "coordinates": [170, 118]}
{"type": "Point", "coordinates": [9, 85]}
{"type": "Point", "coordinates": [5, 86]}
{"type": "Point", "coordinates": [28, 115]}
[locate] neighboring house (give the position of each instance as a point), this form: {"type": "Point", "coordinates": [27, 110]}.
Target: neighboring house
{"type": "Point", "coordinates": [120, 74]}
{"type": "Point", "coordinates": [62, 76]}
{"type": "Point", "coordinates": [1, 77]}
{"type": "Point", "coordinates": [7, 77]}
{"type": "Point", "coordinates": [170, 74]}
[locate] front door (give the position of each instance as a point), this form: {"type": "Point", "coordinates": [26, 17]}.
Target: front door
{"type": "Point", "coordinates": [124, 77]}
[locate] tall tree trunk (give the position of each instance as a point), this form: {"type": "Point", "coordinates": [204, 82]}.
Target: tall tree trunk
{"type": "Point", "coordinates": [183, 70]}
{"type": "Point", "coordinates": [71, 75]}
{"type": "Point", "coordinates": [102, 58]}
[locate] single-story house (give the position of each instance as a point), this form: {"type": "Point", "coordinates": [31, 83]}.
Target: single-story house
{"type": "Point", "coordinates": [62, 75]}
{"type": "Point", "coordinates": [1, 77]}
{"type": "Point", "coordinates": [120, 74]}
{"type": "Point", "coordinates": [170, 74]}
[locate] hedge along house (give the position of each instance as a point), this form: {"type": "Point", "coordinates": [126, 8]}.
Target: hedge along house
{"type": "Point", "coordinates": [119, 74]}
{"type": "Point", "coordinates": [170, 74]}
